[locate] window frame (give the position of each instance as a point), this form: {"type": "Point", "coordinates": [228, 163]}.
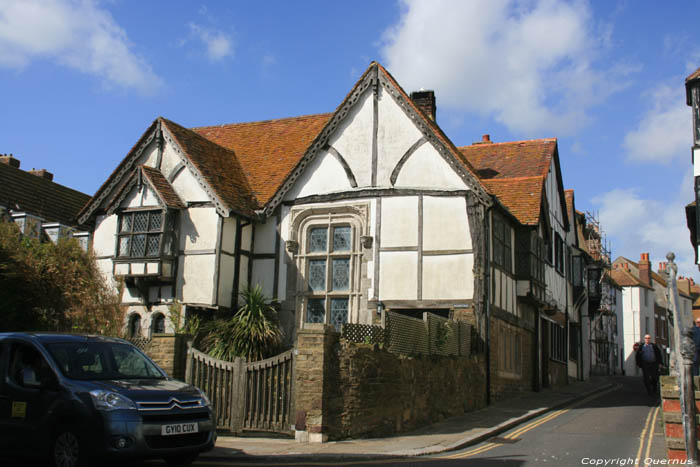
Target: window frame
{"type": "Point", "coordinates": [148, 233]}
{"type": "Point", "coordinates": [557, 342]}
{"type": "Point", "coordinates": [502, 241]}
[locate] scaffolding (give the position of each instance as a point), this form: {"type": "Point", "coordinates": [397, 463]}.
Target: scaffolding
{"type": "Point", "coordinates": [596, 242]}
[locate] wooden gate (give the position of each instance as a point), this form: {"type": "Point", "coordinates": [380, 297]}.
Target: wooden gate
{"type": "Point", "coordinates": [245, 396]}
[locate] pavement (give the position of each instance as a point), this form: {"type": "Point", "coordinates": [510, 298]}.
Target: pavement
{"type": "Point", "coordinates": [448, 435]}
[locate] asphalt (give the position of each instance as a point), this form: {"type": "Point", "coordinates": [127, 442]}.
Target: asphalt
{"type": "Point", "coordinates": [448, 435]}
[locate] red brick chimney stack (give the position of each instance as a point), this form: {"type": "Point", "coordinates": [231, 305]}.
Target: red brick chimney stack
{"type": "Point", "coordinates": [425, 100]}
{"type": "Point", "coordinates": [645, 269]}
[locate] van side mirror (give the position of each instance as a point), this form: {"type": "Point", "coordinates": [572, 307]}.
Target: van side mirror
{"type": "Point", "coordinates": [29, 379]}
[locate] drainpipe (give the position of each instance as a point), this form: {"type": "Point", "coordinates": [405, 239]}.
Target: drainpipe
{"type": "Point", "coordinates": [487, 282]}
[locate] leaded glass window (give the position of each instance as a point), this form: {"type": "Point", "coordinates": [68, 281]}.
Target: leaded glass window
{"type": "Point", "coordinates": [140, 234]}
{"type": "Point", "coordinates": [502, 244]}
{"type": "Point", "coordinates": [328, 270]}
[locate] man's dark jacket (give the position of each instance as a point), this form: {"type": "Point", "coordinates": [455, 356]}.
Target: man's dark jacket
{"type": "Point", "coordinates": [657, 353]}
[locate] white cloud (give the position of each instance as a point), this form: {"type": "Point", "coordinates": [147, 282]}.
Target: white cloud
{"type": "Point", "coordinates": [663, 134]}
{"type": "Point", "coordinates": [636, 224]}
{"type": "Point", "coordinates": [76, 34]}
{"type": "Point", "coordinates": [528, 64]}
{"type": "Point", "coordinates": [217, 44]}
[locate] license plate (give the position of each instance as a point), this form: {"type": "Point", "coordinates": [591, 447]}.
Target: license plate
{"type": "Point", "coordinates": [179, 429]}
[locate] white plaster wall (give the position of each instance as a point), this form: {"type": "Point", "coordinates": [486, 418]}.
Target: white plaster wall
{"type": "Point", "coordinates": [353, 139]}
{"type": "Point", "coordinates": [188, 188]}
{"type": "Point", "coordinates": [265, 236]}
{"type": "Point", "coordinates": [396, 133]}
{"type": "Point", "coordinates": [227, 266]}
{"type": "Point", "coordinates": [198, 274]}
{"type": "Point", "coordinates": [243, 277]}
{"type": "Point", "coordinates": [264, 274]}
{"type": "Point", "coordinates": [247, 237]}
{"type": "Point", "coordinates": [447, 277]}
{"type": "Point", "coordinates": [228, 239]}
{"type": "Point", "coordinates": [198, 229]}
{"type": "Point", "coordinates": [696, 165]}
{"type": "Point", "coordinates": [323, 175]}
{"type": "Point", "coordinates": [103, 241]}
{"type": "Point", "coordinates": [398, 275]}
{"type": "Point", "coordinates": [399, 225]}
{"type": "Point", "coordinates": [445, 224]}
{"type": "Point", "coordinates": [427, 169]}
{"type": "Point", "coordinates": [170, 160]}
{"type": "Point", "coordinates": [149, 156]}
{"type": "Point", "coordinates": [631, 324]}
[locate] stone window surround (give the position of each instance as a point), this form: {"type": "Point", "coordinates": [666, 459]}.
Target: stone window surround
{"type": "Point", "coordinates": [303, 218]}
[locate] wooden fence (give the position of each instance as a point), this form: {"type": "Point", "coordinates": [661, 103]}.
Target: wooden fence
{"type": "Point", "coordinates": [245, 396]}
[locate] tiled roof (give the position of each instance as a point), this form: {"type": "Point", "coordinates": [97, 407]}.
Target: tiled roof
{"type": "Point", "coordinates": [24, 192]}
{"type": "Point", "coordinates": [521, 196]}
{"type": "Point", "coordinates": [569, 194]}
{"type": "Point", "coordinates": [163, 188]}
{"type": "Point", "coordinates": [218, 166]}
{"type": "Point", "coordinates": [513, 159]}
{"type": "Point", "coordinates": [267, 150]}
{"type": "Point", "coordinates": [625, 278]}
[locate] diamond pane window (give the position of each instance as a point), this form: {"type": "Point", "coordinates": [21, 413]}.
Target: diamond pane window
{"type": "Point", "coordinates": [153, 246]}
{"type": "Point", "coordinates": [124, 246]}
{"type": "Point", "coordinates": [155, 220]}
{"type": "Point", "coordinates": [339, 312]}
{"type": "Point", "coordinates": [318, 240]}
{"type": "Point", "coordinates": [341, 274]}
{"type": "Point", "coordinates": [138, 245]}
{"type": "Point", "coordinates": [341, 238]}
{"type": "Point", "coordinates": [316, 311]}
{"type": "Point", "coordinates": [141, 234]}
{"type": "Point", "coordinates": [126, 223]}
{"type": "Point", "coordinates": [317, 275]}
{"type": "Point", "coordinates": [140, 222]}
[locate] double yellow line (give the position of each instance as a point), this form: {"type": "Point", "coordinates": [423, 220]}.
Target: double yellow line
{"type": "Point", "coordinates": [530, 426]}
{"type": "Point", "coordinates": [650, 429]}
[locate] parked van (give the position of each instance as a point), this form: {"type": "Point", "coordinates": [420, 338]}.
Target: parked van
{"type": "Point", "coordinates": [70, 398]}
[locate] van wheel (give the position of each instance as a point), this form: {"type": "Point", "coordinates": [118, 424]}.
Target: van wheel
{"type": "Point", "coordinates": [185, 459]}
{"type": "Point", "coordinates": [66, 449]}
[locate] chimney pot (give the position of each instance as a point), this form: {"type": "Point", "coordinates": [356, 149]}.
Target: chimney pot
{"type": "Point", "coordinates": [425, 100]}
{"type": "Point", "coordinates": [9, 160]}
{"type": "Point", "coordinates": [486, 139]}
{"type": "Point", "coordinates": [42, 173]}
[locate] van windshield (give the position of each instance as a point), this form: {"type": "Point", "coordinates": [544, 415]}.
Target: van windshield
{"type": "Point", "coordinates": [102, 361]}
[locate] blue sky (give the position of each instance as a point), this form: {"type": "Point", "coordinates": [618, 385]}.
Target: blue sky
{"type": "Point", "coordinates": [81, 80]}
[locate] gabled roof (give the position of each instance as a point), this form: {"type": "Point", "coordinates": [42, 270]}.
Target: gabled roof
{"type": "Point", "coordinates": [218, 167]}
{"type": "Point", "coordinates": [164, 190]}
{"type": "Point", "coordinates": [25, 192]}
{"type": "Point", "coordinates": [693, 77]}
{"type": "Point", "coordinates": [269, 150]}
{"type": "Point", "coordinates": [625, 278]}
{"type": "Point", "coordinates": [246, 167]}
{"type": "Point", "coordinates": [518, 160]}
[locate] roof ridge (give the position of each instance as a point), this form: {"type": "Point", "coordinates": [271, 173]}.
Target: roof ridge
{"type": "Point", "coordinates": [510, 179]}
{"type": "Point", "coordinates": [259, 122]}
{"type": "Point", "coordinates": [494, 143]}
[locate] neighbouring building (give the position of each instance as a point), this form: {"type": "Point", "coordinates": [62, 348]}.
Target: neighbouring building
{"type": "Point", "coordinates": [41, 208]}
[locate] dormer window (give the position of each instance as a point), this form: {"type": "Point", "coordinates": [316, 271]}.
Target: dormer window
{"type": "Point", "coordinates": [141, 234]}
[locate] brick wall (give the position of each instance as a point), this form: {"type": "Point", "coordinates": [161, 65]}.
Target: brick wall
{"type": "Point", "coordinates": [673, 425]}
{"type": "Point", "coordinates": [169, 352]}
{"type": "Point", "coordinates": [361, 390]}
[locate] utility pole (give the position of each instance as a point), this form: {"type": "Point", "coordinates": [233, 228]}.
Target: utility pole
{"type": "Point", "coordinates": [685, 352]}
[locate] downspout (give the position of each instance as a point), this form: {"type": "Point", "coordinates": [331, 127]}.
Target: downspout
{"type": "Point", "coordinates": [487, 282]}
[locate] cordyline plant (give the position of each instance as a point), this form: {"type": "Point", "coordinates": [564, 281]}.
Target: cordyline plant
{"type": "Point", "coordinates": [53, 287]}
{"type": "Point", "coordinates": [253, 332]}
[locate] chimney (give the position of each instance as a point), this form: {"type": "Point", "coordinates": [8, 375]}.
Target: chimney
{"type": "Point", "coordinates": [645, 269]}
{"type": "Point", "coordinates": [9, 160]}
{"type": "Point", "coordinates": [425, 100]}
{"type": "Point", "coordinates": [42, 173]}
{"type": "Point", "coordinates": [662, 266]}
{"type": "Point", "coordinates": [486, 139]}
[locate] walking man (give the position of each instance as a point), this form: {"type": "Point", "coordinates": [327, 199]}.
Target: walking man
{"type": "Point", "coordinates": [648, 358]}
{"type": "Point", "coordinates": [696, 341]}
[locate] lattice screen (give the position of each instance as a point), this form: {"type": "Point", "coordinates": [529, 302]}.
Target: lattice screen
{"type": "Point", "coordinates": [363, 333]}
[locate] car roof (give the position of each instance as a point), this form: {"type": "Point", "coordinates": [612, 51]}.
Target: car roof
{"type": "Point", "coordinates": [51, 337]}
